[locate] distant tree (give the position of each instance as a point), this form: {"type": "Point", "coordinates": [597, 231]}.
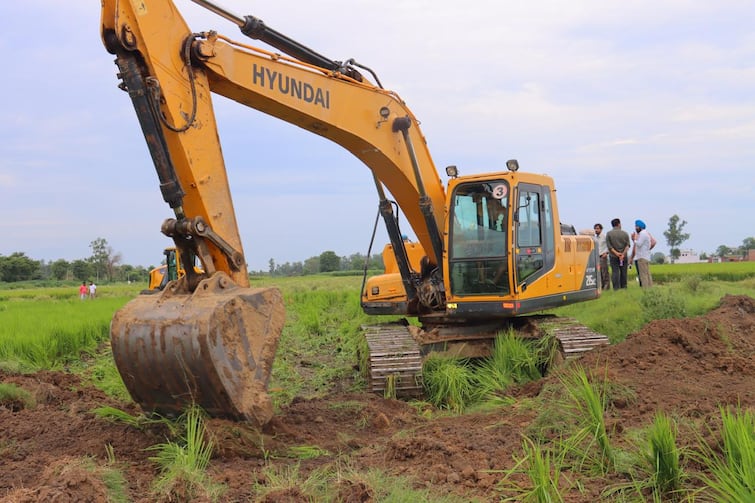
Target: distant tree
{"type": "Point", "coordinates": [376, 262]}
{"type": "Point", "coordinates": [81, 269]}
{"type": "Point", "coordinates": [329, 261]}
{"type": "Point", "coordinates": [59, 269]}
{"type": "Point", "coordinates": [658, 258]}
{"type": "Point", "coordinates": [703, 256]}
{"type": "Point", "coordinates": [747, 245]}
{"type": "Point", "coordinates": [723, 251]}
{"type": "Point", "coordinates": [18, 267]}
{"type": "Point", "coordinates": [353, 262]}
{"type": "Point", "coordinates": [99, 257]}
{"type": "Point", "coordinates": [311, 265]}
{"type": "Point", "coordinates": [114, 259]}
{"type": "Point", "coordinates": [674, 236]}
{"type": "Point", "coordinates": [271, 266]}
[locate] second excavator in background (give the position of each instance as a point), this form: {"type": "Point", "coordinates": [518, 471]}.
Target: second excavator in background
{"type": "Point", "coordinates": [490, 248]}
{"type": "Point", "coordinates": [171, 270]}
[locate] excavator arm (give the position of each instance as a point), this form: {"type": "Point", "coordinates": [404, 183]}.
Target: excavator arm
{"type": "Point", "coordinates": [209, 338]}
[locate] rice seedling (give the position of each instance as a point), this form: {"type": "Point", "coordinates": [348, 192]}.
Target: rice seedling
{"type": "Point", "coordinates": [663, 455]}
{"type": "Point", "coordinates": [541, 471]}
{"type": "Point", "coordinates": [586, 405]}
{"type": "Point", "coordinates": [732, 473]}
{"type": "Point", "coordinates": [655, 467]}
{"type": "Point", "coordinates": [285, 483]}
{"type": "Point", "coordinates": [183, 464]}
{"type": "Point", "coordinates": [139, 422]}
{"type": "Point", "coordinates": [448, 383]}
{"type": "Point", "coordinates": [512, 360]}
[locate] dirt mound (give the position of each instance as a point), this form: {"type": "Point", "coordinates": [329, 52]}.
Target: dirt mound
{"type": "Point", "coordinates": [685, 367]}
{"type": "Point", "coordinates": [688, 366]}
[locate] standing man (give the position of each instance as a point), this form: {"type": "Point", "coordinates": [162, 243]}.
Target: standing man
{"type": "Point", "coordinates": [618, 246]}
{"type": "Point", "coordinates": [602, 246]}
{"type": "Point", "coordinates": [92, 289]}
{"type": "Point", "coordinates": [83, 290]}
{"type": "Point", "coordinates": [641, 253]}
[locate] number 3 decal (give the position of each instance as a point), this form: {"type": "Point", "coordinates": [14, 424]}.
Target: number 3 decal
{"type": "Point", "coordinates": [500, 191]}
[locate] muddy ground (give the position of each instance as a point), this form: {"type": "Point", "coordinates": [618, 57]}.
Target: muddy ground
{"type": "Point", "coordinates": [686, 368]}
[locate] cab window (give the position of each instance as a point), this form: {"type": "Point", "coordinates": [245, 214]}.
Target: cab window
{"type": "Point", "coordinates": [478, 245]}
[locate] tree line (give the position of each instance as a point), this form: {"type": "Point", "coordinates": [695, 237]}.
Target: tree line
{"type": "Point", "coordinates": [327, 261]}
{"type": "Point", "coordinates": [105, 265]}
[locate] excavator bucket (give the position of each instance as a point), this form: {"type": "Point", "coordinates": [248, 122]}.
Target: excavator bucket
{"type": "Point", "coordinates": [213, 348]}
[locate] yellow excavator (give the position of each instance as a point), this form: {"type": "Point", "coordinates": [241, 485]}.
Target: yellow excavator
{"type": "Point", "coordinates": [171, 270]}
{"type": "Point", "coordinates": [490, 248]}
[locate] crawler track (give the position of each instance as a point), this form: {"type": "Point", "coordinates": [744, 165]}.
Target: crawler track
{"type": "Point", "coordinates": [394, 362]}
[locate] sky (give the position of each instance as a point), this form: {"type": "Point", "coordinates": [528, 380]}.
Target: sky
{"type": "Point", "coordinates": [638, 110]}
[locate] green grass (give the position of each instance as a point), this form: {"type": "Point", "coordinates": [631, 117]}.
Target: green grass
{"type": "Point", "coordinates": [338, 482]}
{"type": "Point", "coordinates": [14, 397]}
{"type": "Point", "coordinates": [536, 476]}
{"type": "Point", "coordinates": [732, 472]}
{"type": "Point", "coordinates": [47, 328]}
{"type": "Point", "coordinates": [586, 403]}
{"type": "Point", "coordinates": [183, 462]}
{"type": "Point", "coordinates": [724, 271]}
{"type": "Point", "coordinates": [655, 465]}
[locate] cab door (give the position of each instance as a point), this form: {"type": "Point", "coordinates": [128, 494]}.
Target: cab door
{"type": "Point", "coordinates": [534, 234]}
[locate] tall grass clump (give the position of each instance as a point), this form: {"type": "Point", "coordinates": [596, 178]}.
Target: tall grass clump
{"type": "Point", "coordinates": [659, 304]}
{"type": "Point", "coordinates": [448, 382]}
{"type": "Point", "coordinates": [536, 476]}
{"type": "Point", "coordinates": [183, 463]}
{"type": "Point", "coordinates": [586, 405]}
{"type": "Point", "coordinates": [655, 467]}
{"type": "Point", "coordinates": [662, 456]}
{"type": "Point", "coordinates": [732, 473]}
{"type": "Point", "coordinates": [513, 360]}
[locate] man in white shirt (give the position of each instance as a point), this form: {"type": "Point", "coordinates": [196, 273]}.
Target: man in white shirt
{"type": "Point", "coordinates": [641, 253]}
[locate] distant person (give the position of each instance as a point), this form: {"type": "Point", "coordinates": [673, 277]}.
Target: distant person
{"type": "Point", "coordinates": [618, 243]}
{"type": "Point", "coordinates": [92, 290]}
{"type": "Point", "coordinates": [641, 253]}
{"type": "Point", "coordinates": [83, 291]}
{"type": "Point", "coordinates": [602, 246]}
